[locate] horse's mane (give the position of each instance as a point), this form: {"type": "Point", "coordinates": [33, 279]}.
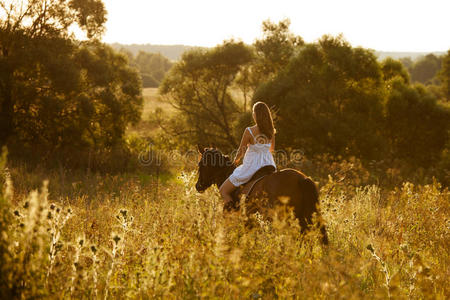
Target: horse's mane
{"type": "Point", "coordinates": [213, 157]}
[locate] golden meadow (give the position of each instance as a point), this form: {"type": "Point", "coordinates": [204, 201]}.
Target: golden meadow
{"type": "Point", "coordinates": [120, 237]}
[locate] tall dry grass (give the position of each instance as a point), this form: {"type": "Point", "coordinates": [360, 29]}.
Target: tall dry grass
{"type": "Point", "coordinates": [133, 243]}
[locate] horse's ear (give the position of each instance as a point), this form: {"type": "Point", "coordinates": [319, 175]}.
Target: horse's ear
{"type": "Point", "coordinates": [200, 149]}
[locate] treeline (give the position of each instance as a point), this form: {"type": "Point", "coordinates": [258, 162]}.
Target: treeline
{"type": "Point", "coordinates": [152, 66]}
{"type": "Point", "coordinates": [172, 52]}
{"type": "Point", "coordinates": [62, 100]}
{"type": "Point", "coordinates": [328, 97]}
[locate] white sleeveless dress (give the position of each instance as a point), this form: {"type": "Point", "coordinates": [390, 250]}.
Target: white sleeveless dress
{"type": "Point", "coordinates": [256, 157]}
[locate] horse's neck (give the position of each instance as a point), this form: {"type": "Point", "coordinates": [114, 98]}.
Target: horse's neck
{"type": "Point", "coordinates": [225, 173]}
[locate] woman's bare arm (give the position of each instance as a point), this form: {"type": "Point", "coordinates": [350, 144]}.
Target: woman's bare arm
{"type": "Point", "coordinates": [272, 144]}
{"type": "Point", "coordinates": [243, 146]}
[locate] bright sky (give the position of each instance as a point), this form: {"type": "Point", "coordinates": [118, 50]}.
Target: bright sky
{"type": "Point", "coordinates": [387, 25]}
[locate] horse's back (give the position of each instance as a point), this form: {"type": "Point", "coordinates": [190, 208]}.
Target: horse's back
{"type": "Point", "coordinates": [291, 186]}
{"type": "Point", "coordinates": [284, 182]}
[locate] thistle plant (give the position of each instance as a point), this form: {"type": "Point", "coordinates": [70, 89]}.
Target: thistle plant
{"type": "Point", "coordinates": [57, 219]}
{"type": "Point", "coordinates": [115, 239]}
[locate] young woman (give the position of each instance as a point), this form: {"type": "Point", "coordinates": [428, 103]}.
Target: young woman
{"type": "Point", "coordinates": [258, 143]}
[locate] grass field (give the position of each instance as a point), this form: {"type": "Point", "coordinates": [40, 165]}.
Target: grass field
{"type": "Point", "coordinates": [152, 103]}
{"type": "Point", "coordinates": [132, 239]}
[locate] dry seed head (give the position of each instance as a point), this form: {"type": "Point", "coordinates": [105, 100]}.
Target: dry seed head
{"type": "Point", "coordinates": [93, 249]}
{"type": "Point", "coordinates": [370, 248]}
{"type": "Point", "coordinates": [81, 242]}
{"type": "Point", "coordinates": [26, 204]}
{"type": "Point", "coordinates": [49, 215]}
{"type": "Point", "coordinates": [116, 238]}
{"type": "Point", "coordinates": [16, 213]}
{"type": "Point", "coordinates": [52, 206]}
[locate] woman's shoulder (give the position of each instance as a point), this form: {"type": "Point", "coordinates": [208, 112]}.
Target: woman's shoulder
{"type": "Point", "coordinates": [254, 129]}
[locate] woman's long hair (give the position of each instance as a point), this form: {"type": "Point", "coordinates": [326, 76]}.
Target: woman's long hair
{"type": "Point", "coordinates": [264, 119]}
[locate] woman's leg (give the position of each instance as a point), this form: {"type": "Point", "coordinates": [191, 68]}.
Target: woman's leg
{"type": "Point", "coordinates": [225, 190]}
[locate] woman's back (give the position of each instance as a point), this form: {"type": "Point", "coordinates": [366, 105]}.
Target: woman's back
{"type": "Point", "coordinates": [258, 137]}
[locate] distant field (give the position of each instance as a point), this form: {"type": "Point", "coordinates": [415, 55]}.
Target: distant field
{"type": "Point", "coordinates": [152, 100]}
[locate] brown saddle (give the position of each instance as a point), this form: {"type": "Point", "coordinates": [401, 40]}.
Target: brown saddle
{"type": "Point", "coordinates": [246, 188]}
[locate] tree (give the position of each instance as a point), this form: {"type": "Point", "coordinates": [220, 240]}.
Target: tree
{"type": "Point", "coordinates": [96, 96]}
{"type": "Point", "coordinates": [392, 68]}
{"type": "Point", "coordinates": [276, 47]}
{"type": "Point", "coordinates": [407, 62]}
{"type": "Point", "coordinates": [329, 100]}
{"type": "Point", "coordinates": [199, 88]}
{"type": "Point", "coordinates": [444, 76]}
{"type": "Point", "coordinates": [416, 126]}
{"type": "Point", "coordinates": [425, 69]}
{"type": "Point", "coordinates": [57, 93]}
{"type": "Point", "coordinates": [152, 67]}
{"type": "Point", "coordinates": [27, 31]}
{"type": "Point", "coordinates": [271, 54]}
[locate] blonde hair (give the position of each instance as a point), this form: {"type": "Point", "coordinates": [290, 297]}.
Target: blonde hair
{"type": "Point", "coordinates": [263, 119]}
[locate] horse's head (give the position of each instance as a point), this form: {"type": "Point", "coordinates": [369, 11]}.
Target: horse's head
{"type": "Point", "coordinates": [213, 168]}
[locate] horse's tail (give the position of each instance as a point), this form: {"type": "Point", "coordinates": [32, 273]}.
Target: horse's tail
{"type": "Point", "coordinates": [310, 205]}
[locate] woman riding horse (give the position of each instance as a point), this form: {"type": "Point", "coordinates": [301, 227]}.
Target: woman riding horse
{"type": "Point", "coordinates": [286, 185]}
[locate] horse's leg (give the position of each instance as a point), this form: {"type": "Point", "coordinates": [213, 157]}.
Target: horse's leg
{"type": "Point", "coordinates": [309, 205]}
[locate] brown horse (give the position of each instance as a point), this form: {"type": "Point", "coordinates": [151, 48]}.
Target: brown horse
{"type": "Point", "coordinates": [288, 184]}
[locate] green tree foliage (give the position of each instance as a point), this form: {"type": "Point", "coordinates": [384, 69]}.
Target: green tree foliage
{"type": "Point", "coordinates": [276, 48]}
{"type": "Point", "coordinates": [417, 127]}
{"type": "Point", "coordinates": [57, 93]}
{"type": "Point", "coordinates": [329, 100]}
{"type": "Point", "coordinates": [425, 69]}
{"type": "Point", "coordinates": [27, 31]}
{"type": "Point", "coordinates": [407, 62]}
{"type": "Point", "coordinates": [392, 68]}
{"type": "Point", "coordinates": [271, 54]}
{"type": "Point", "coordinates": [444, 76]}
{"type": "Point", "coordinates": [199, 88]}
{"type": "Point", "coordinates": [153, 67]}
{"type": "Point", "coordinates": [87, 101]}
